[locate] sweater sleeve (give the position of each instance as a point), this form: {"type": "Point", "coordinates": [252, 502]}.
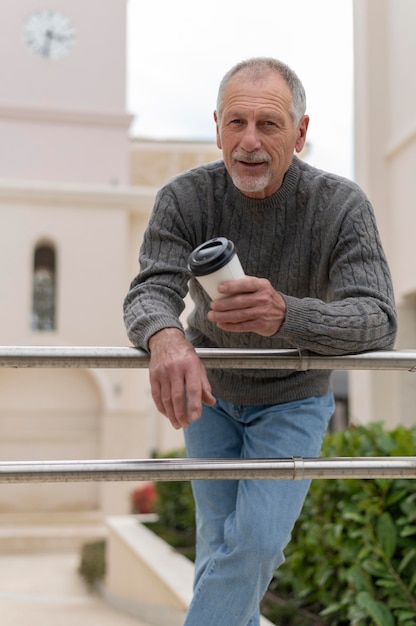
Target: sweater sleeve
{"type": "Point", "coordinates": [359, 313]}
{"type": "Point", "coordinates": [156, 296]}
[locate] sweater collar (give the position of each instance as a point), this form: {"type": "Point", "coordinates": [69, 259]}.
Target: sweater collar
{"type": "Point", "coordinates": [280, 196]}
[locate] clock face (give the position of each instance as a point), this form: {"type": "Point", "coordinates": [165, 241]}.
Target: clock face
{"type": "Point", "coordinates": [49, 34]}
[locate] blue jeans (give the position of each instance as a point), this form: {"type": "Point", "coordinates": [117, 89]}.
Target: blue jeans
{"type": "Point", "coordinates": [243, 526]}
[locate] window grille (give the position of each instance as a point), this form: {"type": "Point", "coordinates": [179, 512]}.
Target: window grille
{"type": "Point", "coordinates": [44, 289]}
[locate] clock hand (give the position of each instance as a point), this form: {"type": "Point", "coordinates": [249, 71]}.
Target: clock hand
{"type": "Point", "coordinates": [61, 38]}
{"type": "Point", "coordinates": [47, 45]}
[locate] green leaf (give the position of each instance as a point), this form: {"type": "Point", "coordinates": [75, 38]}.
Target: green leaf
{"type": "Point", "coordinates": [390, 583]}
{"type": "Point", "coordinates": [365, 551]}
{"type": "Point", "coordinates": [407, 531]}
{"type": "Point", "coordinates": [359, 579]}
{"type": "Point", "coordinates": [332, 608]}
{"type": "Point", "coordinates": [408, 558]}
{"type": "Point", "coordinates": [375, 568]}
{"type": "Point", "coordinates": [383, 484]}
{"type": "Point", "coordinates": [387, 534]}
{"type": "Point", "coordinates": [408, 506]}
{"type": "Point", "coordinates": [353, 516]}
{"type": "Point", "coordinates": [398, 602]}
{"type": "Point", "coordinates": [403, 616]}
{"type": "Point", "coordinates": [375, 609]}
{"type": "Point", "coordinates": [395, 496]}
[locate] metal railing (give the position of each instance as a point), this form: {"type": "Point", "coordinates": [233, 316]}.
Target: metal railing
{"type": "Point", "coordinates": [296, 468]}
{"type": "Point", "coordinates": [123, 357]}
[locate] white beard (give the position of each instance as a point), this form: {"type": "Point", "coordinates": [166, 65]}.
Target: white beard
{"type": "Point", "coordinates": [250, 184]}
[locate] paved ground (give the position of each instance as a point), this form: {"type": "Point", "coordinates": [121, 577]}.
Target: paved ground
{"type": "Point", "coordinates": [46, 590]}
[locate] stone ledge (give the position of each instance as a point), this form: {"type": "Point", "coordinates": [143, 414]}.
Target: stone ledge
{"type": "Point", "coordinates": [145, 577]}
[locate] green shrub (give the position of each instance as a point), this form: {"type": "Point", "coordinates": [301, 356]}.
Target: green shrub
{"type": "Point", "coordinates": [175, 509]}
{"type": "Point", "coordinates": [92, 563]}
{"type": "Point", "coordinates": [352, 557]}
{"type": "Point", "coordinates": [175, 504]}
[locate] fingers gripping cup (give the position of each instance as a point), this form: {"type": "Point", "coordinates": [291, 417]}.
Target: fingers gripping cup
{"type": "Point", "coordinates": [213, 262]}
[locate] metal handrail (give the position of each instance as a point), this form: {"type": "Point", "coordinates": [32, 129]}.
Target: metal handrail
{"type": "Point", "coordinates": [207, 469]}
{"type": "Point", "coordinates": [296, 468]}
{"type": "Point", "coordinates": [127, 357]}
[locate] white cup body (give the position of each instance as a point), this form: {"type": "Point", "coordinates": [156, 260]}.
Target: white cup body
{"type": "Point", "coordinates": [231, 271]}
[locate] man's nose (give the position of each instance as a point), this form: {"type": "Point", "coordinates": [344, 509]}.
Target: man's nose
{"type": "Point", "coordinates": [250, 140]}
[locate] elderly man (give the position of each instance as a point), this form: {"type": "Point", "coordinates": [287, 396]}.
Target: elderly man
{"type": "Point", "coordinates": [316, 278]}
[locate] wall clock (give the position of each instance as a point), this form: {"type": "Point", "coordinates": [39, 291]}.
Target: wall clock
{"type": "Point", "coordinates": [49, 34]}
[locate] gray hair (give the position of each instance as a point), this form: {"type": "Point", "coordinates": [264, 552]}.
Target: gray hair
{"type": "Point", "coordinates": [255, 68]}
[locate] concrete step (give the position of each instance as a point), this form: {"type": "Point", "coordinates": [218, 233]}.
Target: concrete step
{"type": "Point", "coordinates": [49, 532]}
{"type": "Point", "coordinates": [46, 590]}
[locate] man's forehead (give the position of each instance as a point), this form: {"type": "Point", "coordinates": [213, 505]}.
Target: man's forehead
{"type": "Point", "coordinates": [246, 82]}
{"type": "Point", "coordinates": [269, 93]}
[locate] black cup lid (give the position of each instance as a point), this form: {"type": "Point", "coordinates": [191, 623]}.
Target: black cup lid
{"type": "Point", "coordinates": [211, 256]}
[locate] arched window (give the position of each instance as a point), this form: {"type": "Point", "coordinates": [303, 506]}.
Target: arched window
{"type": "Point", "coordinates": [44, 288]}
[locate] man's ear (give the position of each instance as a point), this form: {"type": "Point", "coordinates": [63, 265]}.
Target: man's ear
{"type": "Point", "coordinates": [302, 130]}
{"type": "Point", "coordinates": [217, 130]}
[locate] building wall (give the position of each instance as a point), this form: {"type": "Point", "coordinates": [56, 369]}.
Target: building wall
{"type": "Point", "coordinates": [385, 158]}
{"type": "Point", "coordinates": [64, 172]}
{"type": "Point", "coordinates": [155, 162]}
{"type": "Point", "coordinates": [96, 230]}
{"type": "Point", "coordinates": [65, 119]}
{"type": "Point", "coordinates": [54, 414]}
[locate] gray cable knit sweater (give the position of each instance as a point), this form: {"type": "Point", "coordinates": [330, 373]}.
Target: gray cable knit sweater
{"type": "Point", "coordinates": [315, 239]}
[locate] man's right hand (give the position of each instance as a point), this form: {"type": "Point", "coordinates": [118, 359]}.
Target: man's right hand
{"type": "Point", "coordinates": [178, 379]}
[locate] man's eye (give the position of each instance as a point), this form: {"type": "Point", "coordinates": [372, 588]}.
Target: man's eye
{"type": "Point", "coordinates": [236, 121]}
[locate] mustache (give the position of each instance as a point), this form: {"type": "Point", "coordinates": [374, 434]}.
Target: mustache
{"type": "Point", "coordinates": [251, 157]}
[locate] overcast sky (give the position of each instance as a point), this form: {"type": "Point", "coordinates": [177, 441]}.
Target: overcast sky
{"type": "Point", "coordinates": [178, 51]}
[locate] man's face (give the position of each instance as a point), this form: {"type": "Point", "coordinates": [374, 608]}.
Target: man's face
{"type": "Point", "coordinates": [256, 132]}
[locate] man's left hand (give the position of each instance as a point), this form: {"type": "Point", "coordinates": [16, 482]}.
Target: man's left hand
{"type": "Point", "coordinates": [251, 305]}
